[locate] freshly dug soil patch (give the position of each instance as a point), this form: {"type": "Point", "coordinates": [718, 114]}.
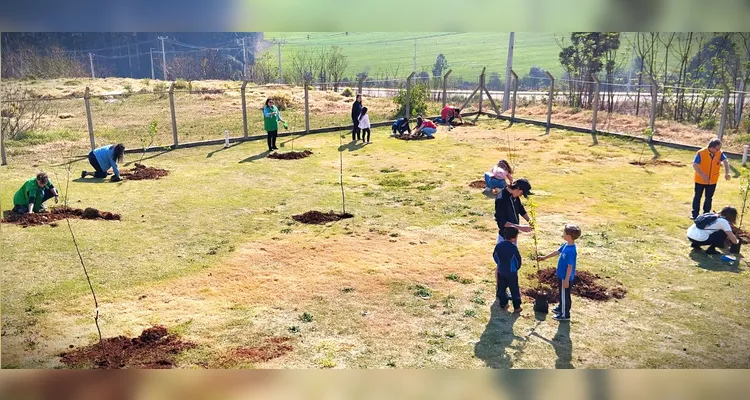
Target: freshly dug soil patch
{"type": "Point", "coordinates": [317, 217]}
{"type": "Point", "coordinates": [478, 184]}
{"type": "Point", "coordinates": [658, 162]}
{"type": "Point", "coordinates": [585, 284]}
{"type": "Point", "coordinates": [292, 155]}
{"type": "Point", "coordinates": [742, 235]}
{"type": "Point", "coordinates": [56, 214]}
{"type": "Point", "coordinates": [141, 172]}
{"type": "Point", "coordinates": [414, 138]}
{"type": "Point", "coordinates": [552, 296]}
{"type": "Point", "coordinates": [153, 349]}
{"type": "Point", "coordinates": [274, 347]}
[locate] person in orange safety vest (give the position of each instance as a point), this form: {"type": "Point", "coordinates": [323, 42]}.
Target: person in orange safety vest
{"type": "Point", "coordinates": [707, 166]}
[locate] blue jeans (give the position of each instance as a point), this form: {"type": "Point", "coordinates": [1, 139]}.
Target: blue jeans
{"type": "Point", "coordinates": [494, 183]}
{"type": "Point", "coordinates": [429, 131]}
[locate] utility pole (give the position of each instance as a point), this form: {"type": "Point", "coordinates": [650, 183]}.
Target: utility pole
{"type": "Point", "coordinates": [151, 52]}
{"type": "Point", "coordinates": [630, 73]}
{"type": "Point", "coordinates": [508, 67]}
{"type": "Point", "coordinates": [244, 58]}
{"type": "Point", "coordinates": [91, 63]}
{"type": "Point", "coordinates": [163, 57]}
{"type": "Point", "coordinates": [279, 43]}
{"type": "Point", "coordinates": [415, 56]}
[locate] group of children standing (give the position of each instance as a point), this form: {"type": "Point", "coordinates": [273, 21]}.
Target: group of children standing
{"type": "Point", "coordinates": [508, 260]}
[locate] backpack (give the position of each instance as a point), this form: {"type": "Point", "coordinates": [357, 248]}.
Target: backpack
{"type": "Point", "coordinates": [702, 221]}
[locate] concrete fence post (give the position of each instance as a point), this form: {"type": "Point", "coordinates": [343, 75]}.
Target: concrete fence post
{"type": "Point", "coordinates": [515, 96]}
{"type": "Point", "coordinates": [244, 109]}
{"type": "Point", "coordinates": [308, 78]}
{"type": "Point", "coordinates": [597, 86]}
{"type": "Point", "coordinates": [174, 118]}
{"type": "Point", "coordinates": [445, 86]}
{"type": "Point", "coordinates": [89, 120]}
{"type": "Point", "coordinates": [724, 111]}
{"type": "Point", "coordinates": [407, 112]}
{"type": "Point", "coordinates": [481, 90]}
{"type": "Point", "coordinates": [654, 100]}
{"type": "Point", "coordinates": [549, 99]}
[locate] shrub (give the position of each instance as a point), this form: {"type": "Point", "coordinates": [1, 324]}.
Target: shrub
{"type": "Point", "coordinates": [128, 88]}
{"type": "Point", "coordinates": [418, 96]}
{"type": "Point", "coordinates": [182, 84]}
{"type": "Point", "coordinates": [160, 87]}
{"type": "Point", "coordinates": [146, 81]}
{"type": "Point", "coordinates": [283, 101]}
{"type": "Point", "coordinates": [708, 123]}
{"type": "Point", "coordinates": [347, 92]}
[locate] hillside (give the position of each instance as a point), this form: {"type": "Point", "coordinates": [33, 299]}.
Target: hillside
{"type": "Point", "coordinates": [466, 52]}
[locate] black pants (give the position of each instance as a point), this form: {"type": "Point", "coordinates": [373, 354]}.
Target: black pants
{"type": "Point", "coordinates": [23, 209]}
{"type": "Point", "coordinates": [355, 129]}
{"type": "Point", "coordinates": [564, 307]}
{"type": "Point", "coordinates": [366, 134]}
{"type": "Point", "coordinates": [98, 171]}
{"type": "Point", "coordinates": [508, 281]}
{"type": "Point", "coordinates": [716, 239]}
{"type": "Point", "coordinates": [699, 188]}
{"type": "Point", "coordinates": [272, 139]}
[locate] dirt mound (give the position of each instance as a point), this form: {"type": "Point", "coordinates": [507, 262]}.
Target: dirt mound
{"type": "Point", "coordinates": [317, 217]}
{"type": "Point", "coordinates": [56, 214]}
{"type": "Point", "coordinates": [153, 349]}
{"type": "Point", "coordinates": [274, 347]}
{"type": "Point", "coordinates": [658, 162]}
{"type": "Point", "coordinates": [585, 284]}
{"type": "Point", "coordinates": [141, 172]}
{"type": "Point", "coordinates": [552, 296]}
{"type": "Point", "coordinates": [414, 138]}
{"type": "Point", "coordinates": [478, 184]}
{"type": "Point", "coordinates": [292, 155]}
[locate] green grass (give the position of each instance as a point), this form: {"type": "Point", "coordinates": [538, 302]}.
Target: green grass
{"type": "Point", "coordinates": [201, 251]}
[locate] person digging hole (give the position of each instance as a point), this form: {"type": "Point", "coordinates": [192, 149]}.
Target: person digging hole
{"type": "Point", "coordinates": [31, 196]}
{"type": "Point", "coordinates": [104, 158]}
{"type": "Point", "coordinates": [713, 230]}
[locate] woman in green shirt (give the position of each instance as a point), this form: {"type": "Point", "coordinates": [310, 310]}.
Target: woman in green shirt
{"type": "Point", "coordinates": [34, 192]}
{"type": "Point", "coordinates": [271, 118]}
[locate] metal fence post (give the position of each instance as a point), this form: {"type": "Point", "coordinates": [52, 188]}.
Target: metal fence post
{"type": "Point", "coordinates": [86, 97]}
{"type": "Point", "coordinates": [174, 118]}
{"type": "Point", "coordinates": [407, 112]}
{"type": "Point", "coordinates": [597, 86]}
{"type": "Point", "coordinates": [652, 119]}
{"type": "Point", "coordinates": [244, 108]}
{"type": "Point", "coordinates": [445, 86]}
{"type": "Point", "coordinates": [549, 99]}
{"type": "Point", "coordinates": [515, 94]}
{"type": "Point", "coordinates": [724, 110]}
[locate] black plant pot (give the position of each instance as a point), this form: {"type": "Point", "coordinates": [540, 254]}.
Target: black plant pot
{"type": "Point", "coordinates": [735, 248]}
{"type": "Point", "coordinates": [540, 302]}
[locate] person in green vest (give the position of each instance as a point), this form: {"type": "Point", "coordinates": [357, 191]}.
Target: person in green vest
{"type": "Point", "coordinates": [31, 196]}
{"type": "Point", "coordinates": [271, 118]}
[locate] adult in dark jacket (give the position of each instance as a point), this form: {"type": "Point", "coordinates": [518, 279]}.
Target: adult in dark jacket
{"type": "Point", "coordinates": [356, 111]}
{"type": "Point", "coordinates": [508, 207]}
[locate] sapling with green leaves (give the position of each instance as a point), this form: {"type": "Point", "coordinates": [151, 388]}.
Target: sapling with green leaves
{"type": "Point", "coordinates": [531, 204]}
{"type": "Point", "coordinates": [744, 192]}
{"type": "Point", "coordinates": [649, 134]}
{"type": "Point", "coordinates": [153, 129]}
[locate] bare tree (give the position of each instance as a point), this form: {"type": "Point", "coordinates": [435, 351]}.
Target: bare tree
{"type": "Point", "coordinates": [321, 66]}
{"type": "Point", "coordinates": [337, 64]}
{"type": "Point", "coordinates": [682, 51]}
{"type": "Point", "coordinates": [22, 112]}
{"type": "Point", "coordinates": [264, 71]}
{"type": "Point", "coordinates": [745, 76]}
{"type": "Point", "coordinates": [666, 40]}
{"type": "Point", "coordinates": [303, 61]}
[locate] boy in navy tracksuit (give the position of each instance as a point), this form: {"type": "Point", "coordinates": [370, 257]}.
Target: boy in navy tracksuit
{"type": "Point", "coordinates": [508, 261]}
{"type": "Point", "coordinates": [566, 270]}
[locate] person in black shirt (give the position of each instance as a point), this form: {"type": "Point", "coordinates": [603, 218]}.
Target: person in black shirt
{"type": "Point", "coordinates": [356, 111]}
{"type": "Point", "coordinates": [508, 208]}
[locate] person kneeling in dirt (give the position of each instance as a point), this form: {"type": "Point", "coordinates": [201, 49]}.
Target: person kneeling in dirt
{"type": "Point", "coordinates": [508, 207]}
{"type": "Point", "coordinates": [31, 196]}
{"type": "Point", "coordinates": [449, 114]}
{"type": "Point", "coordinates": [713, 230]}
{"type": "Point", "coordinates": [401, 125]}
{"type": "Point", "coordinates": [104, 158]}
{"type": "Point", "coordinates": [508, 261]}
{"type": "Point", "coordinates": [424, 127]}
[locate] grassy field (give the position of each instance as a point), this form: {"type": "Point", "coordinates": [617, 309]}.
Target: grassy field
{"type": "Point", "coordinates": [212, 253]}
{"type": "Point", "coordinates": [466, 52]}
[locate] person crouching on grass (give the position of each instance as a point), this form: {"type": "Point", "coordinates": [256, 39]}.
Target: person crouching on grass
{"type": "Point", "coordinates": [104, 158]}
{"type": "Point", "coordinates": [713, 230]}
{"type": "Point", "coordinates": [508, 261]}
{"type": "Point", "coordinates": [566, 269]}
{"type": "Point", "coordinates": [31, 196]}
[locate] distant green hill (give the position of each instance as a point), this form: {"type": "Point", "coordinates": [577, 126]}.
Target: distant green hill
{"type": "Point", "coordinates": [466, 53]}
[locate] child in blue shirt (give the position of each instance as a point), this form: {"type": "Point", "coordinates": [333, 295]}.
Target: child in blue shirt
{"type": "Point", "coordinates": [508, 261]}
{"type": "Point", "coordinates": [566, 269]}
